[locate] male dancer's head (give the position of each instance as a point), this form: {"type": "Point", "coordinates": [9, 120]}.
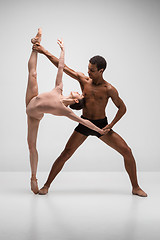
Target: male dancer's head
{"type": "Point", "coordinates": [96, 67]}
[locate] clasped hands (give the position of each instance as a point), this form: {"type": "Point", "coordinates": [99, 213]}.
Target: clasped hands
{"type": "Point", "coordinates": [106, 129]}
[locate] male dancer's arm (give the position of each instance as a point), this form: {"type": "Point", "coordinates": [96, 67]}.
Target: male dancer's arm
{"type": "Point", "coordinates": [76, 75]}
{"type": "Point", "coordinates": [113, 94]}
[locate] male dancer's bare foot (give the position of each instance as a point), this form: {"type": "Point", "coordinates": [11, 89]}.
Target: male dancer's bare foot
{"type": "Point", "coordinates": [38, 37]}
{"type": "Point", "coordinates": [34, 185]}
{"type": "Point", "coordinates": [138, 191]}
{"type": "Point", "coordinates": [43, 190]}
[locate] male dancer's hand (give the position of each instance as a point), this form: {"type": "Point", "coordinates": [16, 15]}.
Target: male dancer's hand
{"type": "Point", "coordinates": [38, 48]}
{"type": "Point", "coordinates": [103, 132]}
{"type": "Point", "coordinates": [107, 128]}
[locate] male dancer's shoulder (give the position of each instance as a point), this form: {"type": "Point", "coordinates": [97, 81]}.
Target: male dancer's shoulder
{"type": "Point", "coordinates": [82, 77]}
{"type": "Point", "coordinates": [111, 90]}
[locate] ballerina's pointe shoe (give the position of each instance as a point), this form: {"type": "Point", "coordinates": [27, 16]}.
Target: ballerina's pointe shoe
{"type": "Point", "coordinates": [43, 190]}
{"type": "Point", "coordinates": [34, 186]}
{"type": "Point", "coordinates": [37, 38]}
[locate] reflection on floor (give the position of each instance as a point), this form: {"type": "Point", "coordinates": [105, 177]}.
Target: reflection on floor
{"type": "Point", "coordinates": [79, 206]}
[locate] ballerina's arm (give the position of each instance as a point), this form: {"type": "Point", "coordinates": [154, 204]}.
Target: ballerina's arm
{"type": "Point", "coordinates": [59, 82]}
{"type": "Point", "coordinates": [70, 114]}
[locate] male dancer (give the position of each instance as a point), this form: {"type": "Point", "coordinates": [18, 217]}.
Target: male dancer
{"type": "Point", "coordinates": [97, 92]}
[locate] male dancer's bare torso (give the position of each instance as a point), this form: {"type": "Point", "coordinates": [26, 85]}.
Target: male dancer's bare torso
{"type": "Point", "coordinates": [96, 99]}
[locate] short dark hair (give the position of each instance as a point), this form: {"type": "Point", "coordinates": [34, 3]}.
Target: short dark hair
{"type": "Point", "coordinates": [79, 105]}
{"type": "Point", "coordinates": [99, 61]}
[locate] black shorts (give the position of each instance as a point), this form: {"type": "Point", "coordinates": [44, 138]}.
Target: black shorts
{"type": "Point", "coordinates": [101, 123]}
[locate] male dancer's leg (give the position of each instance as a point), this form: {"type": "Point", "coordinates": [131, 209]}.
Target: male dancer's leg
{"type": "Point", "coordinates": [73, 143]}
{"type": "Point", "coordinates": [115, 141]}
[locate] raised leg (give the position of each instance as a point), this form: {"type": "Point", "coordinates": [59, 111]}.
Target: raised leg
{"type": "Point", "coordinates": [37, 38]}
{"type": "Point", "coordinates": [32, 87]}
{"type": "Point", "coordinates": [115, 141]}
{"type": "Point", "coordinates": [73, 143]}
{"type": "Point", "coordinates": [33, 125]}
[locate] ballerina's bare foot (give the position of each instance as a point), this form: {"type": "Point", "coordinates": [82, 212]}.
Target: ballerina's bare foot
{"type": "Point", "coordinates": [139, 192]}
{"type": "Point", "coordinates": [38, 37]}
{"type": "Point", "coordinates": [43, 190]}
{"type": "Point", "coordinates": [34, 186]}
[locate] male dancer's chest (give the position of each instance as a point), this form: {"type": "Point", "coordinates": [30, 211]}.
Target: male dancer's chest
{"type": "Point", "coordinates": [95, 101]}
{"type": "Point", "coordinates": [94, 92]}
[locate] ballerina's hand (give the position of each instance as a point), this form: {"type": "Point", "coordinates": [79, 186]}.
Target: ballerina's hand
{"type": "Point", "coordinates": [107, 128]}
{"type": "Point", "coordinates": [61, 44]}
{"type": "Point", "coordinates": [102, 132]}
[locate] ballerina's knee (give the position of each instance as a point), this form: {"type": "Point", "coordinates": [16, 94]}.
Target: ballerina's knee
{"type": "Point", "coordinates": [33, 74]}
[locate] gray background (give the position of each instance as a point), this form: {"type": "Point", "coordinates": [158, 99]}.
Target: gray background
{"type": "Point", "coordinates": [126, 33]}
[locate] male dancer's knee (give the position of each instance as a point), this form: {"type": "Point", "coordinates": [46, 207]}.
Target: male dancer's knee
{"type": "Point", "coordinates": [126, 151]}
{"type": "Point", "coordinates": [66, 154]}
{"type": "Point", "coordinates": [32, 147]}
{"type": "Point", "coordinates": [128, 157]}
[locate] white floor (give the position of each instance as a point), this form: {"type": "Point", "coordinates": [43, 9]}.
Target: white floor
{"type": "Point", "coordinates": [80, 206]}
